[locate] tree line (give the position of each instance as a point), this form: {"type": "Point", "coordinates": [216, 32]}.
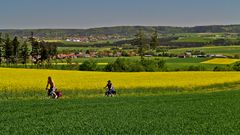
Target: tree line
{"type": "Point", "coordinates": [14, 51]}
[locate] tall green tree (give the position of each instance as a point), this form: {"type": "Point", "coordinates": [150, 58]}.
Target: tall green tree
{"type": "Point", "coordinates": [140, 41]}
{"type": "Point", "coordinates": [8, 49]}
{"type": "Point", "coordinates": [1, 48]}
{"type": "Point", "coordinates": [35, 53]}
{"type": "Point", "coordinates": [15, 45]}
{"type": "Point", "coordinates": [154, 40]}
{"type": "Point", "coordinates": [52, 49]}
{"type": "Point", "coordinates": [24, 53]}
{"type": "Point", "coordinates": [44, 52]}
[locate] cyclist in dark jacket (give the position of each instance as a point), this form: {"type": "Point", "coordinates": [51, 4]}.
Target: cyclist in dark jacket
{"type": "Point", "coordinates": [110, 88]}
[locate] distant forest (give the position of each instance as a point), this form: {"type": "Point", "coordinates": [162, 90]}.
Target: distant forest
{"type": "Point", "coordinates": [128, 31]}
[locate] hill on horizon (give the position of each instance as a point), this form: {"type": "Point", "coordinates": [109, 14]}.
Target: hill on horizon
{"type": "Point", "coordinates": [123, 30]}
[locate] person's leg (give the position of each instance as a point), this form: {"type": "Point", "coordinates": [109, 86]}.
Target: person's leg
{"type": "Point", "coordinates": [108, 92]}
{"type": "Point", "coordinates": [49, 92]}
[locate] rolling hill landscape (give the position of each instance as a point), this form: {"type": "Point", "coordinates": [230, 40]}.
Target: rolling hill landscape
{"type": "Point", "coordinates": [124, 30]}
{"type": "Point", "coordinates": [145, 67]}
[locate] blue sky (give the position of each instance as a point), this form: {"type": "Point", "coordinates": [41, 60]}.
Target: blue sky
{"type": "Point", "coordinates": [99, 13]}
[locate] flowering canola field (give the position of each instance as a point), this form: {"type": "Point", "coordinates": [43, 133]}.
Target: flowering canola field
{"type": "Point", "coordinates": [221, 61]}
{"type": "Point", "coordinates": [31, 79]}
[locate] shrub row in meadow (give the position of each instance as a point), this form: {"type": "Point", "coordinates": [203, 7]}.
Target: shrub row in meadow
{"type": "Point", "coordinates": [125, 65]}
{"type": "Point", "coordinates": [149, 65]}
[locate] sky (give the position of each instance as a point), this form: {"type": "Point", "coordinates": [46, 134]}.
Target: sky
{"type": "Point", "coordinates": [81, 14]}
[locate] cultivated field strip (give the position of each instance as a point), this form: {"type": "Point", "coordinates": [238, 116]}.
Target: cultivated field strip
{"type": "Point", "coordinates": [223, 61]}
{"type": "Point", "coordinates": [19, 80]}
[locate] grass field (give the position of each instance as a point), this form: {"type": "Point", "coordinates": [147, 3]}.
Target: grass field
{"type": "Point", "coordinates": [183, 64]}
{"type": "Point", "coordinates": [98, 60]}
{"type": "Point", "coordinates": [194, 39]}
{"type": "Point", "coordinates": [226, 50]}
{"type": "Point", "coordinates": [212, 113]}
{"type": "Point", "coordinates": [171, 63]}
{"type": "Point", "coordinates": [110, 59]}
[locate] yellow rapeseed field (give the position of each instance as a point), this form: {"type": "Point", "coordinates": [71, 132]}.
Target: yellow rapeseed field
{"type": "Point", "coordinates": [52, 40]}
{"type": "Point", "coordinates": [32, 79]}
{"type": "Point", "coordinates": [221, 61]}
